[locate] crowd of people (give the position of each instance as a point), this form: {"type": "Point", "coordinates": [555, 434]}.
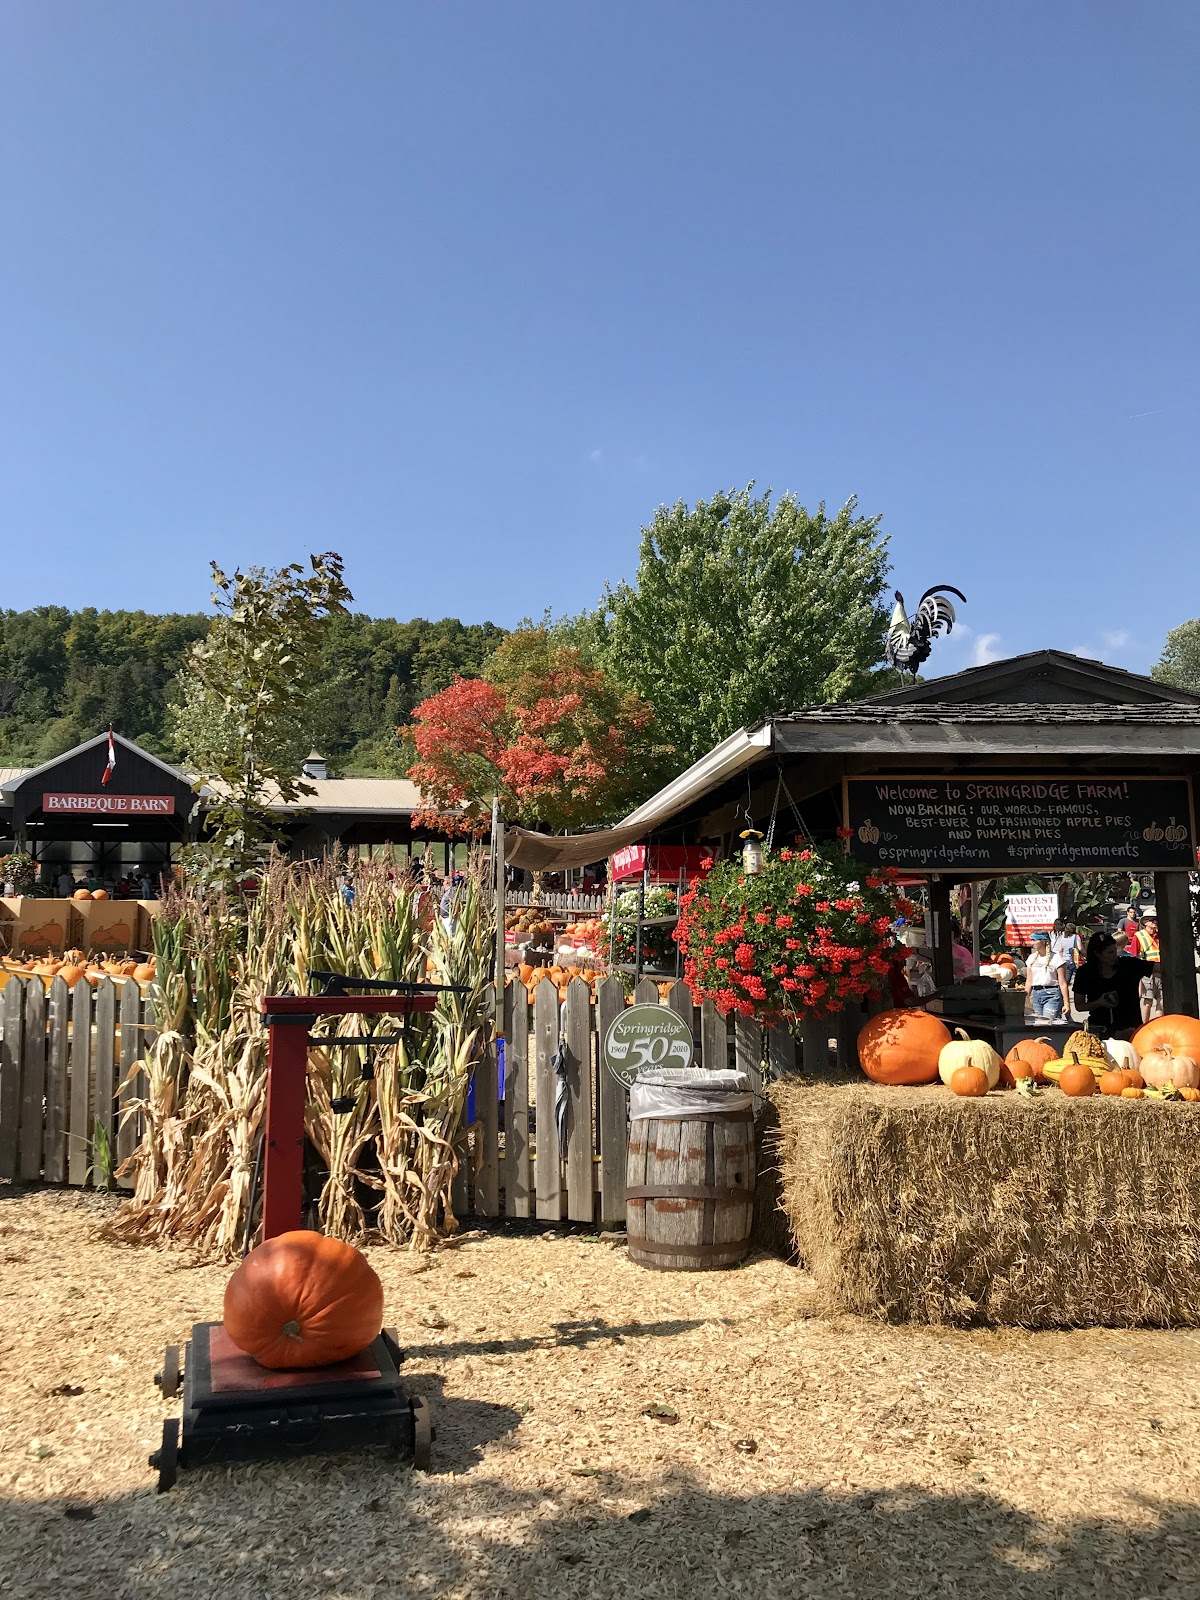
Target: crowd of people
{"type": "Point", "coordinates": [1114, 980]}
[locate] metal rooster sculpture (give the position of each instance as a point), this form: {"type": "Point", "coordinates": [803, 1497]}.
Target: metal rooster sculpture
{"type": "Point", "coordinates": [910, 639]}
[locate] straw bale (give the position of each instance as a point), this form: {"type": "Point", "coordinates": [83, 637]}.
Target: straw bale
{"type": "Point", "coordinates": [914, 1205]}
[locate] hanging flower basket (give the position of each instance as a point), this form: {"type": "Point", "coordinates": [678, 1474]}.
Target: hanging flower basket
{"type": "Point", "coordinates": [804, 936]}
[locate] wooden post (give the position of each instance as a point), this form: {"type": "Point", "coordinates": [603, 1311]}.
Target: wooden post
{"type": "Point", "coordinates": [54, 1149]}
{"type": "Point", "coordinates": [547, 1176]}
{"type": "Point", "coordinates": [614, 1113]}
{"type": "Point", "coordinates": [581, 1198]}
{"type": "Point", "coordinates": [516, 1100]}
{"type": "Point", "coordinates": [79, 1145]}
{"type": "Point", "coordinates": [1177, 943]}
{"type": "Point", "coordinates": [487, 1125]}
{"type": "Point", "coordinates": [106, 1087]}
{"type": "Point", "coordinates": [943, 941]}
{"type": "Point", "coordinates": [132, 1085]}
{"type": "Point", "coordinates": [33, 1081]}
{"type": "Point", "coordinates": [10, 1075]}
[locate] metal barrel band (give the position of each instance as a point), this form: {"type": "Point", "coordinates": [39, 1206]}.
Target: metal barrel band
{"type": "Point", "coordinates": [639, 1241]}
{"type": "Point", "coordinates": [687, 1191]}
{"type": "Point", "coordinates": [699, 1116]}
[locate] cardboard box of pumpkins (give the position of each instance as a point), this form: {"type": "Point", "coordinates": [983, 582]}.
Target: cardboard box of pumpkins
{"type": "Point", "coordinates": [104, 925]}
{"type": "Point", "coordinates": [32, 926]}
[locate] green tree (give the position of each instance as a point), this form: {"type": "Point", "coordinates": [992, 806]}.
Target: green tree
{"type": "Point", "coordinates": [740, 609]}
{"type": "Point", "coordinates": [1180, 661]}
{"type": "Point", "coordinates": [248, 699]}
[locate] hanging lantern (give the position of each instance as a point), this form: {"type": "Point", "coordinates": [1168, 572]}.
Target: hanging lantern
{"type": "Point", "coordinates": [752, 852]}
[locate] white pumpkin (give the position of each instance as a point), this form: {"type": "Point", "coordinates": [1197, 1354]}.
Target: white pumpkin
{"type": "Point", "coordinates": [963, 1051]}
{"type": "Point", "coordinates": [1122, 1055]}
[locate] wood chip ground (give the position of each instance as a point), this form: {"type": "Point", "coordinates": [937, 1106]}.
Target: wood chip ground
{"type": "Point", "coordinates": [602, 1431]}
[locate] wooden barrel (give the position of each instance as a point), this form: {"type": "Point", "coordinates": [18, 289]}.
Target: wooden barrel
{"type": "Point", "coordinates": [689, 1190]}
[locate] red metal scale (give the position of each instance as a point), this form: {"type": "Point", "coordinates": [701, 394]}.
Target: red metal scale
{"type": "Point", "coordinates": [233, 1409]}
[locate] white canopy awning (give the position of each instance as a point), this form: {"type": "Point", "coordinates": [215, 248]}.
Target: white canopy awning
{"type": "Point", "coordinates": [546, 852]}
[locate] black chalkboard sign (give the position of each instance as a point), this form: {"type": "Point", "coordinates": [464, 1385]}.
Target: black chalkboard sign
{"type": "Point", "coordinates": [1012, 825]}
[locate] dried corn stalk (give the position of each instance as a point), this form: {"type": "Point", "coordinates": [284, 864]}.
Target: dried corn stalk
{"type": "Point", "coordinates": [390, 1161]}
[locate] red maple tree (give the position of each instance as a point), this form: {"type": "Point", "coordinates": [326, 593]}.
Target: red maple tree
{"type": "Point", "coordinates": [559, 741]}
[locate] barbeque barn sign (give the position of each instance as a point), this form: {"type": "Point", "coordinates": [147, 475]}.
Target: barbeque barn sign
{"type": "Point", "coordinates": [122, 805]}
{"type": "Point", "coordinates": [1017, 824]}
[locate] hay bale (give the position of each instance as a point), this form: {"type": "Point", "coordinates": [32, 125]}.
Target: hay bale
{"type": "Point", "coordinates": [913, 1205]}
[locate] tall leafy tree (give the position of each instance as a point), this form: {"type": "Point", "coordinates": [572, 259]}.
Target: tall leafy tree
{"type": "Point", "coordinates": [248, 702]}
{"type": "Point", "coordinates": [1180, 661]}
{"type": "Point", "coordinates": [740, 609]}
{"type": "Point", "coordinates": [558, 739]}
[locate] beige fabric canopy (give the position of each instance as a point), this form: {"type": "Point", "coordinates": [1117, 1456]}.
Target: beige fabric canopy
{"type": "Point", "coordinates": [546, 852]}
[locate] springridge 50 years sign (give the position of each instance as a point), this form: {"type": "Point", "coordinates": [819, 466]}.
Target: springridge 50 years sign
{"type": "Point", "coordinates": [1018, 824]}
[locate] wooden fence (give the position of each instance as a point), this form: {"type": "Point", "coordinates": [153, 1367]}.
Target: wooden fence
{"type": "Point", "coordinates": [516, 1168]}
{"type": "Point", "coordinates": [66, 1056]}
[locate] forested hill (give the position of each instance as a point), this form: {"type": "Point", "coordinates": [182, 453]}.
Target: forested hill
{"type": "Point", "coordinates": [66, 675]}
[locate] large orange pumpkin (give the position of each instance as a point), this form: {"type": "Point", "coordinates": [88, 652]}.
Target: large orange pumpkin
{"type": "Point", "coordinates": [1182, 1034]}
{"type": "Point", "coordinates": [302, 1300]}
{"type": "Point", "coordinates": [902, 1047]}
{"type": "Point", "coordinates": [1034, 1053]}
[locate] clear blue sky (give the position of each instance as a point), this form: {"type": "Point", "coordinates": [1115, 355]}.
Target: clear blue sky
{"type": "Point", "coordinates": [465, 290]}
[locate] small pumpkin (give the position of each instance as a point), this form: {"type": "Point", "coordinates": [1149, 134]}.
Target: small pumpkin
{"type": "Point", "coordinates": [303, 1300]}
{"type": "Point", "coordinates": [1113, 1082]}
{"type": "Point", "coordinates": [99, 894]}
{"type": "Point", "coordinates": [1135, 1079]}
{"type": "Point", "coordinates": [1033, 1053]}
{"type": "Point", "coordinates": [1077, 1079]}
{"type": "Point", "coordinates": [1161, 1066]}
{"type": "Point", "coordinates": [82, 894]}
{"type": "Point", "coordinates": [1191, 1095]}
{"type": "Point", "coordinates": [144, 972]}
{"type": "Point", "coordinates": [71, 975]}
{"type": "Point", "coordinates": [963, 1051]}
{"type": "Point", "coordinates": [1132, 1094]}
{"type": "Point", "coordinates": [525, 971]}
{"type": "Point", "coordinates": [970, 1082]}
{"type": "Point", "coordinates": [902, 1047]}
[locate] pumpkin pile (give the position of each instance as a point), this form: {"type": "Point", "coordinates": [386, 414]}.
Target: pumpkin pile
{"type": "Point", "coordinates": [559, 976]}
{"type": "Point", "coordinates": [90, 894]}
{"type": "Point", "coordinates": [911, 1047]}
{"type": "Point", "coordinates": [73, 967]}
{"type": "Point", "coordinates": [529, 927]}
{"type": "Point", "coordinates": [303, 1300]}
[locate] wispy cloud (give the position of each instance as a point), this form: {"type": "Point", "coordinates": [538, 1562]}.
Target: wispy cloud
{"type": "Point", "coordinates": [985, 649]}
{"type": "Point", "coordinates": [596, 455]}
{"type": "Point", "coordinates": [1115, 639]}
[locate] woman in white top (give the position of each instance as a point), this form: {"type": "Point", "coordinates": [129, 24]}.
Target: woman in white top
{"type": "Point", "coordinates": [1045, 981]}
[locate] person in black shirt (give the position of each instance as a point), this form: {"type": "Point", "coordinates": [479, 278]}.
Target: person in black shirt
{"type": "Point", "coordinates": [1108, 987]}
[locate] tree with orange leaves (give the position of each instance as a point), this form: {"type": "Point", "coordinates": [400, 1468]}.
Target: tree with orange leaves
{"type": "Point", "coordinates": [560, 742]}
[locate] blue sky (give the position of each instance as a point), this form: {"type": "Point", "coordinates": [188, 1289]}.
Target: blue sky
{"type": "Point", "coordinates": [466, 290]}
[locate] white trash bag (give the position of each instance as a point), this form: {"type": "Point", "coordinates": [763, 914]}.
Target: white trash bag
{"type": "Point", "coordinates": [683, 1091]}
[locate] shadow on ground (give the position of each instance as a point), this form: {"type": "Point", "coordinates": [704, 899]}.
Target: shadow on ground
{"type": "Point", "coordinates": [360, 1529]}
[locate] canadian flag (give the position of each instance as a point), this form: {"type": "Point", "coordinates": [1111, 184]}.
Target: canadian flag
{"type": "Point", "coordinates": [112, 758]}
